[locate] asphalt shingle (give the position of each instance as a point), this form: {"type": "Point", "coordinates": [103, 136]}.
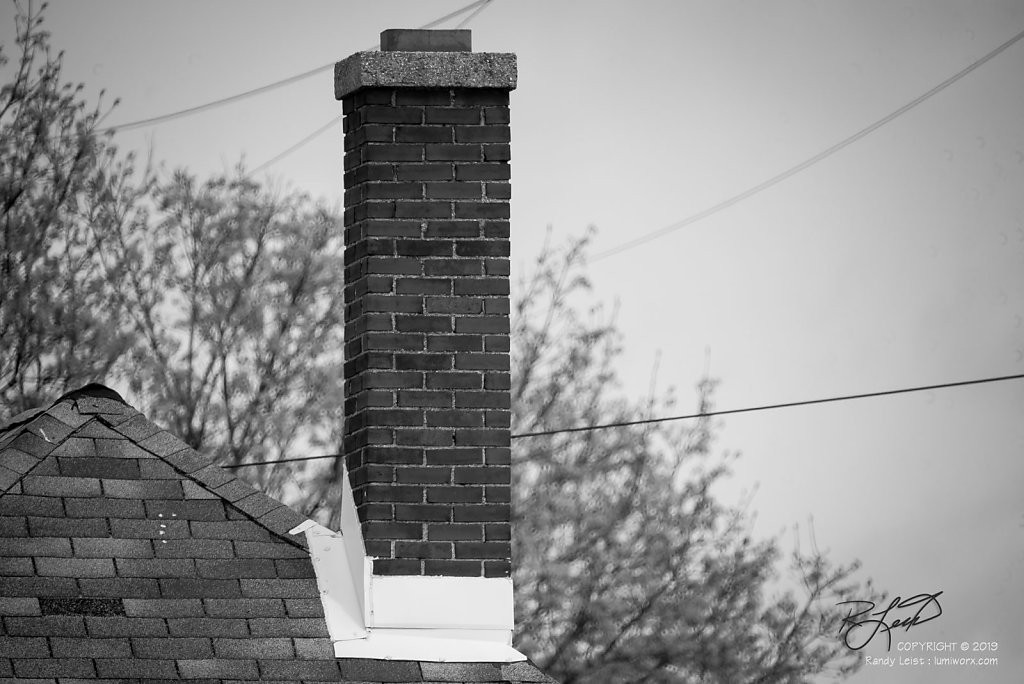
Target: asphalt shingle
{"type": "Point", "coordinates": [128, 555]}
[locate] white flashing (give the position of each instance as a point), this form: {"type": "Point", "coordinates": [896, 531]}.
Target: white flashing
{"type": "Point", "coordinates": [436, 619]}
{"type": "Point", "coordinates": [418, 602]}
{"type": "Point", "coordinates": [302, 527]}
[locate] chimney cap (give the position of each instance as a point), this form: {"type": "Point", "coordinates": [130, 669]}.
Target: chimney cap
{"type": "Point", "coordinates": [423, 40]}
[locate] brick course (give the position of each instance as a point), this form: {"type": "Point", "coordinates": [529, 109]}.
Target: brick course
{"type": "Point", "coordinates": [427, 314]}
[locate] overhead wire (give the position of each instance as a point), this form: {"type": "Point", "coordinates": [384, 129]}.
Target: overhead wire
{"type": "Point", "coordinates": [703, 414]}
{"type": "Point", "coordinates": [188, 111]}
{"type": "Point", "coordinates": [481, 6]}
{"type": "Point", "coordinates": [807, 163]}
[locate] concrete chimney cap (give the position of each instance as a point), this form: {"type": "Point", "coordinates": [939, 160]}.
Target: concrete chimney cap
{"type": "Point", "coordinates": [413, 58]}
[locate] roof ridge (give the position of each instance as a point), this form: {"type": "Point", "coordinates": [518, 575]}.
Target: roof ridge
{"type": "Point", "coordinates": [97, 412]}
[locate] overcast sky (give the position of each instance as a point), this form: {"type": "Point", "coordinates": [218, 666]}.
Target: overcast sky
{"type": "Point", "coordinates": [897, 261]}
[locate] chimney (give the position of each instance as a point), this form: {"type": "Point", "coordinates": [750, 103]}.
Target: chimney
{"type": "Point", "coordinates": [427, 404]}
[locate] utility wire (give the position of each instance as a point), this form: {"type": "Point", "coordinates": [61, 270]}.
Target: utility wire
{"type": "Point", "coordinates": [153, 120]}
{"type": "Point", "coordinates": [327, 126]}
{"type": "Point", "coordinates": [309, 138]}
{"type": "Point", "coordinates": [775, 180]}
{"type": "Point", "coordinates": [705, 414]}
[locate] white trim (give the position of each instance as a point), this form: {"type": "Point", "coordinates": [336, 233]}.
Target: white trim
{"type": "Point", "coordinates": [435, 619]}
{"type": "Point", "coordinates": [441, 602]}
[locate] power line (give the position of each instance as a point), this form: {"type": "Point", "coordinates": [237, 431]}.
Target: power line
{"type": "Point", "coordinates": [775, 180]}
{"type": "Point", "coordinates": [327, 126]}
{"type": "Point", "coordinates": [170, 116]}
{"type": "Point", "coordinates": [706, 414]}
{"type": "Point", "coordinates": [281, 155]}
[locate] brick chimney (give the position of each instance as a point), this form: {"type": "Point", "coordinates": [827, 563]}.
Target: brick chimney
{"type": "Point", "coordinates": [427, 408]}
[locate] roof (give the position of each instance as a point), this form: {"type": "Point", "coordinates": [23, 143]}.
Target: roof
{"type": "Point", "coordinates": [125, 554]}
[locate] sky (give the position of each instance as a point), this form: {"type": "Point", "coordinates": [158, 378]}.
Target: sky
{"type": "Point", "coordinates": [898, 261]}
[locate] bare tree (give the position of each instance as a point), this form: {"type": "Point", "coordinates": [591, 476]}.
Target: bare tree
{"type": "Point", "coordinates": [627, 568]}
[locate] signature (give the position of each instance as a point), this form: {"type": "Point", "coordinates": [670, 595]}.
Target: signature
{"type": "Point", "coordinates": [866, 624]}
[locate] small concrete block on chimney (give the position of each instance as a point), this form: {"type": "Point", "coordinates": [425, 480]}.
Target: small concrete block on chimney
{"type": "Point", "coordinates": [421, 40]}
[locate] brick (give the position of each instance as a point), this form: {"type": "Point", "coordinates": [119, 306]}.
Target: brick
{"type": "Point", "coordinates": [482, 400]}
{"type": "Point", "coordinates": [498, 494]}
{"type": "Point", "coordinates": [482, 171]}
{"type": "Point", "coordinates": [452, 267]}
{"type": "Point", "coordinates": [262, 648]}
{"type": "Point", "coordinates": [424, 475]}
{"type": "Point", "coordinates": [423, 513]}
{"type": "Point", "coordinates": [497, 152]}
{"type": "Point", "coordinates": [452, 152]}
{"type": "Point", "coordinates": [426, 324]}
{"type": "Point", "coordinates": [291, 626]}
{"type": "Point", "coordinates": [482, 324]}
{"type": "Point", "coordinates": [497, 568]}
{"type": "Point", "coordinates": [67, 647]}
{"type": "Point", "coordinates": [75, 567]}
{"type": "Point", "coordinates": [453, 190]}
{"type": "Point", "coordinates": [482, 134]}
{"type": "Point", "coordinates": [163, 608]}
{"type": "Point", "coordinates": [392, 530]}
{"type": "Point", "coordinates": [421, 172]}
{"type": "Point", "coordinates": [452, 568]}
{"type": "Point", "coordinates": [482, 513]}
{"type": "Point", "coordinates": [456, 343]}
{"type": "Point", "coordinates": [461, 532]}
{"type": "Point", "coordinates": [451, 115]}
{"type": "Point", "coordinates": [485, 475]}
{"type": "Point", "coordinates": [245, 608]}
{"type": "Point", "coordinates": [10, 567]}
{"type": "Point", "coordinates": [496, 550]}
{"type": "Point", "coordinates": [455, 305]}
{"type": "Point", "coordinates": [456, 456]}
{"type": "Point", "coordinates": [438, 495]}
{"type": "Point", "coordinates": [388, 114]}
{"type": "Point", "coordinates": [422, 362]}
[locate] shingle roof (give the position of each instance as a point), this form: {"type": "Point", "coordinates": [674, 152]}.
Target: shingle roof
{"type": "Point", "coordinates": [125, 554]}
